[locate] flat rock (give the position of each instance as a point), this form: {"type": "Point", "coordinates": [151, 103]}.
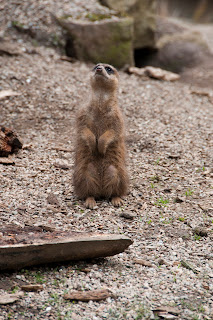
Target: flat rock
{"type": "Point", "coordinates": [155, 73]}
{"type": "Point", "coordinates": [62, 165]}
{"type": "Point", "coordinates": [9, 48]}
{"type": "Point", "coordinates": [8, 93]}
{"type": "Point", "coordinates": [165, 315]}
{"type": "Point", "coordinates": [158, 73]}
{"type": "Point", "coordinates": [10, 298]}
{"type": "Point", "coordinates": [143, 262]}
{"type": "Point", "coordinates": [168, 309]}
{"type": "Point", "coordinates": [7, 161]}
{"type": "Point", "coordinates": [127, 215]}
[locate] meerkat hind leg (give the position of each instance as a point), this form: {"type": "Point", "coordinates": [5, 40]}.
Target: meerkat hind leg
{"type": "Point", "coordinates": [116, 201]}
{"type": "Point", "coordinates": [112, 181]}
{"type": "Point", "coordinates": [90, 202]}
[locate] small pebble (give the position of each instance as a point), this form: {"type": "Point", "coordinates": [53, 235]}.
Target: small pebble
{"type": "Point", "coordinates": [127, 215]}
{"type": "Point", "coordinates": [203, 232]}
{"type": "Point", "coordinates": [162, 261]}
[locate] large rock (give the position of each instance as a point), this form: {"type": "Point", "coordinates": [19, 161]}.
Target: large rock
{"type": "Point", "coordinates": [143, 13]}
{"type": "Point", "coordinates": [108, 40]}
{"type": "Point", "coordinates": [167, 26]}
{"type": "Point", "coordinates": [178, 46]}
{"type": "Point", "coordinates": [181, 51]}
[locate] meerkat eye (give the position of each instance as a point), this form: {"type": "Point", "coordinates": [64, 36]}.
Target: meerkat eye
{"type": "Point", "coordinates": [109, 70]}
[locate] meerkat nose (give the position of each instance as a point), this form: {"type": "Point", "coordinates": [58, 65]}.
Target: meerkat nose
{"type": "Point", "coordinates": [99, 69]}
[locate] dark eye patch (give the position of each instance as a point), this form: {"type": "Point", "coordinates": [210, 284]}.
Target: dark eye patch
{"type": "Point", "coordinates": [109, 70]}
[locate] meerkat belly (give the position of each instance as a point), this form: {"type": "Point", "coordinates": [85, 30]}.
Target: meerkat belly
{"type": "Point", "coordinates": [111, 157]}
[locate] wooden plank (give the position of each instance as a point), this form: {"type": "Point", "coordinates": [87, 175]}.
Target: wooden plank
{"type": "Point", "coordinates": [79, 247]}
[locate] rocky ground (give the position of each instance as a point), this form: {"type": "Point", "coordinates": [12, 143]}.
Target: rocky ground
{"type": "Point", "coordinates": [169, 130]}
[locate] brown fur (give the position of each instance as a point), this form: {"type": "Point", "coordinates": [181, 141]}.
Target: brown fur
{"type": "Point", "coordinates": [100, 170]}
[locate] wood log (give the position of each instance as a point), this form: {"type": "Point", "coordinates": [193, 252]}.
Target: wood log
{"type": "Point", "coordinates": [94, 295]}
{"type": "Point", "coordinates": [32, 287]}
{"type": "Point", "coordinates": [9, 142]}
{"type": "Point", "coordinates": [51, 247]}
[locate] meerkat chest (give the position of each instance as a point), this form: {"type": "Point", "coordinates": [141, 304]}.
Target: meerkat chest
{"type": "Point", "coordinates": [99, 122]}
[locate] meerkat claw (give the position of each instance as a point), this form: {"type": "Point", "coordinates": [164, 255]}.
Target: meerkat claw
{"type": "Point", "coordinates": [90, 203]}
{"type": "Point", "coordinates": [117, 201]}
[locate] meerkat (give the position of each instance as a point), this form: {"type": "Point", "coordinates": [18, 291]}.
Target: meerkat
{"type": "Point", "coordinates": [100, 167]}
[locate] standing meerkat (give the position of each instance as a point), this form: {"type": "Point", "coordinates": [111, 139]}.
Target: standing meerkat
{"type": "Point", "coordinates": [100, 169]}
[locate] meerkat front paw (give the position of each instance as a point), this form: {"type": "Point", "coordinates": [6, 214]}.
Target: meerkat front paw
{"type": "Point", "coordinates": [91, 142]}
{"type": "Point", "coordinates": [102, 145]}
{"type": "Point", "coordinates": [90, 202]}
{"type": "Point", "coordinates": [117, 201]}
{"type": "Point", "coordinates": [89, 138]}
{"type": "Point", "coordinates": [105, 140]}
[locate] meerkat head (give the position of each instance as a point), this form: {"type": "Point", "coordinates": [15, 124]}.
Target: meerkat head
{"type": "Point", "coordinates": [105, 77]}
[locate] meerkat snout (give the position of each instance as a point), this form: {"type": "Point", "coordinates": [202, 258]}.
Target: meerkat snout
{"type": "Point", "coordinates": [98, 69]}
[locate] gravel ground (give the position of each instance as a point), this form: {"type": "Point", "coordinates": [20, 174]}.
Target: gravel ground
{"type": "Point", "coordinates": [169, 130]}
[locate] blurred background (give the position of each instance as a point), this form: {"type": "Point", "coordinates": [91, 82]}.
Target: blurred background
{"type": "Point", "coordinates": [195, 10]}
{"type": "Point", "coordinates": [171, 34]}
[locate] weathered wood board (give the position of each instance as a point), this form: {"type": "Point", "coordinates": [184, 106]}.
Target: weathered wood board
{"type": "Point", "coordinates": [77, 246]}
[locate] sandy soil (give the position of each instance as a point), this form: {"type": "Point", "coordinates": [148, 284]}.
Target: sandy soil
{"type": "Point", "coordinates": [169, 130]}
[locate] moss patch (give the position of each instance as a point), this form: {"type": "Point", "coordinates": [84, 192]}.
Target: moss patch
{"type": "Point", "coordinates": [97, 17]}
{"type": "Point", "coordinates": [118, 54]}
